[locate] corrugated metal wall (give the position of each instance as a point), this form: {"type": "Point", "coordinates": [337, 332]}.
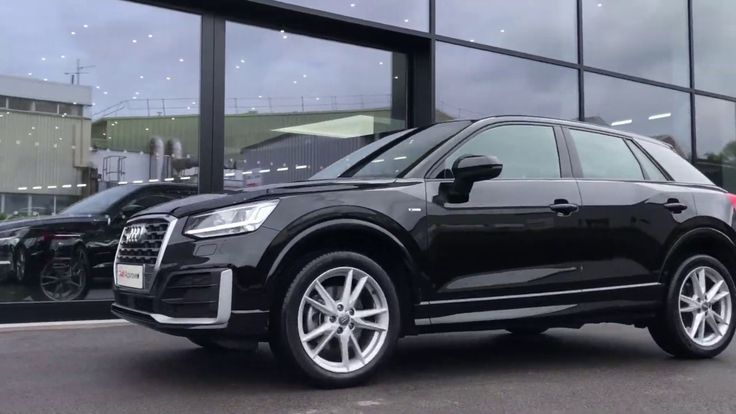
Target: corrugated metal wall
{"type": "Point", "coordinates": [39, 150]}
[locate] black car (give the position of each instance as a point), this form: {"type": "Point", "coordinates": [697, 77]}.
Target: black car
{"type": "Point", "coordinates": [57, 256]}
{"type": "Point", "coordinates": [516, 223]}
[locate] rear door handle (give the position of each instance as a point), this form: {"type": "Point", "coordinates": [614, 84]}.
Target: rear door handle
{"type": "Point", "coordinates": [563, 207]}
{"type": "Point", "coordinates": [674, 205]}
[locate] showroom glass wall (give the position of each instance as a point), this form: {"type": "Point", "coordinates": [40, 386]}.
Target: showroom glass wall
{"type": "Point", "coordinates": [230, 94]}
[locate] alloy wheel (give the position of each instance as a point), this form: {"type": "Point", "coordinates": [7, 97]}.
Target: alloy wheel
{"type": "Point", "coordinates": [343, 320]}
{"type": "Point", "coordinates": [60, 285]}
{"type": "Point", "coordinates": [705, 306]}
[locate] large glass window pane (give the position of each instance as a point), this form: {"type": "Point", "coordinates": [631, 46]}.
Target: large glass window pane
{"type": "Point", "coordinates": [713, 40]}
{"type": "Point", "coordinates": [645, 38]}
{"type": "Point", "coordinates": [715, 132]}
{"type": "Point", "coordinates": [474, 83]}
{"type": "Point", "coordinates": [412, 14]}
{"type": "Point", "coordinates": [296, 104]}
{"type": "Point", "coordinates": [648, 110]}
{"type": "Point", "coordinates": [542, 27]}
{"type": "Point", "coordinates": [100, 94]}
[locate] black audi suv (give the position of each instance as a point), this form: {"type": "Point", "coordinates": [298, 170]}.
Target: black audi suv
{"type": "Point", "coordinates": [516, 223]}
{"type": "Point", "coordinates": [58, 256]}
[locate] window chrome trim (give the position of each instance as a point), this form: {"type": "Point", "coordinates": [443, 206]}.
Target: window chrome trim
{"type": "Point", "coordinates": [541, 294]}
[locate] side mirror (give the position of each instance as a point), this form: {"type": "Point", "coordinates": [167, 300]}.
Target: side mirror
{"type": "Point", "coordinates": [129, 210]}
{"type": "Point", "coordinates": [467, 170]}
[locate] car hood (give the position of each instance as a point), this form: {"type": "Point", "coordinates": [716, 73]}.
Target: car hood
{"type": "Point", "coordinates": [48, 221]}
{"type": "Point", "coordinates": [204, 202]}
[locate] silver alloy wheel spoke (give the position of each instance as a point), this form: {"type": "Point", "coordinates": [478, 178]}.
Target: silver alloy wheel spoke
{"type": "Point", "coordinates": [705, 306]}
{"type": "Point", "coordinates": [342, 309]}
{"type": "Point", "coordinates": [692, 304]}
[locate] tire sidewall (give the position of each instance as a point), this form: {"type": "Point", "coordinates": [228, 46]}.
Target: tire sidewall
{"type": "Point", "coordinates": [673, 311]}
{"type": "Point", "coordinates": [290, 310]}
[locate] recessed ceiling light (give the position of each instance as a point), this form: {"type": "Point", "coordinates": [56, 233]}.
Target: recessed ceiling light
{"type": "Point", "coordinates": [181, 59]}
{"type": "Point", "coordinates": [141, 77]}
{"type": "Point", "coordinates": [43, 59]}
{"type": "Point", "coordinates": [150, 35]}
{"type": "Point", "coordinates": [168, 78]}
{"type": "Point", "coordinates": [63, 56]}
{"type": "Point", "coordinates": [85, 26]}
{"type": "Point", "coordinates": [242, 60]}
{"type": "Point", "coordinates": [134, 41]}
{"type": "Point", "coordinates": [72, 33]}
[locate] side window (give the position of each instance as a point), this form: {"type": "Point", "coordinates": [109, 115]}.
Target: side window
{"type": "Point", "coordinates": [526, 151]}
{"type": "Point", "coordinates": [653, 173]}
{"type": "Point", "coordinates": [605, 157]}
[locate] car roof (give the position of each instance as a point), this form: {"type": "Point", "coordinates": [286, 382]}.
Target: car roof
{"type": "Point", "coordinates": [568, 123]}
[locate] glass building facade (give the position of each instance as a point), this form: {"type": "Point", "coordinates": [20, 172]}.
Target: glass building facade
{"type": "Point", "coordinates": [224, 95]}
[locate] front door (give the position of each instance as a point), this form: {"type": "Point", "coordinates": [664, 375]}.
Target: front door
{"type": "Point", "coordinates": [516, 236]}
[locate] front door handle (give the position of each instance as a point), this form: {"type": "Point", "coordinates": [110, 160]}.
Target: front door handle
{"type": "Point", "coordinates": [563, 207]}
{"type": "Point", "coordinates": [674, 205]}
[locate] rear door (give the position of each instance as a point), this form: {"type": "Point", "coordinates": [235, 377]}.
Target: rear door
{"type": "Point", "coordinates": [629, 208]}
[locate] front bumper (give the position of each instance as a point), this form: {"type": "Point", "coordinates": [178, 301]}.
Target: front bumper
{"type": "Point", "coordinates": [150, 317]}
{"type": "Point", "coordinates": [208, 285]}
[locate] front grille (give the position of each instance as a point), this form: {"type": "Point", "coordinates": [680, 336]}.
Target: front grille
{"type": "Point", "coordinates": [145, 249]}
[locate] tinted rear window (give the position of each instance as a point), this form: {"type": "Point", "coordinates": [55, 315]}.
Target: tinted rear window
{"type": "Point", "coordinates": [680, 170]}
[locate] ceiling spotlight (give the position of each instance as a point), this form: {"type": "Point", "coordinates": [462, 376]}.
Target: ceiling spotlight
{"type": "Point", "coordinates": [168, 78]}
{"type": "Point", "coordinates": [237, 66]}
{"type": "Point", "coordinates": [150, 35]}
{"type": "Point", "coordinates": [141, 77]}
{"type": "Point", "coordinates": [30, 73]}
{"type": "Point", "coordinates": [85, 26]}
{"type": "Point", "coordinates": [352, 4]}
{"type": "Point", "coordinates": [242, 60]}
{"type": "Point", "coordinates": [63, 56]}
{"type": "Point", "coordinates": [43, 59]}
{"type": "Point", "coordinates": [181, 59]}
{"type": "Point", "coordinates": [134, 41]}
{"type": "Point", "coordinates": [600, 4]}
{"type": "Point", "coordinates": [284, 37]}
{"type": "Point", "coordinates": [72, 33]}
{"type": "Point", "coordinates": [502, 30]}
{"type": "Point", "coordinates": [406, 20]}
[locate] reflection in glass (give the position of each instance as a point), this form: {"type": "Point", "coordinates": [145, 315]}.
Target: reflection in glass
{"type": "Point", "coordinates": [715, 129]}
{"type": "Point", "coordinates": [648, 39]}
{"type": "Point", "coordinates": [713, 40]}
{"type": "Point", "coordinates": [412, 14]}
{"type": "Point", "coordinates": [648, 110]}
{"type": "Point", "coordinates": [97, 95]}
{"type": "Point", "coordinates": [543, 27]}
{"type": "Point", "coordinates": [474, 83]}
{"type": "Point", "coordinates": [295, 104]}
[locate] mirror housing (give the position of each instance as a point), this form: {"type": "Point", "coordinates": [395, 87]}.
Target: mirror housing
{"type": "Point", "coordinates": [467, 170]}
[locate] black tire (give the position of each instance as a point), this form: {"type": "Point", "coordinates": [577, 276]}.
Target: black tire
{"type": "Point", "coordinates": [79, 267]}
{"type": "Point", "coordinates": [526, 330]}
{"type": "Point", "coordinates": [667, 329]}
{"type": "Point", "coordinates": [20, 265]}
{"type": "Point", "coordinates": [225, 345]}
{"type": "Point", "coordinates": [287, 343]}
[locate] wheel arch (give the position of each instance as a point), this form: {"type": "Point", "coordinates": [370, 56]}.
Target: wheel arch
{"type": "Point", "coordinates": [701, 240]}
{"type": "Point", "coordinates": [391, 247]}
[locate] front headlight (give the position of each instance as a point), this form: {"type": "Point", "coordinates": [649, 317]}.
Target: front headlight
{"type": "Point", "coordinates": [231, 220]}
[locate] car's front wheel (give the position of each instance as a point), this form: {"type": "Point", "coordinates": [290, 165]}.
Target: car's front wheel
{"type": "Point", "coordinates": [340, 319]}
{"type": "Point", "coordinates": [697, 320]}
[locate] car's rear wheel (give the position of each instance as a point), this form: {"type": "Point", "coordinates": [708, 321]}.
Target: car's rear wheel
{"type": "Point", "coordinates": [697, 320]}
{"type": "Point", "coordinates": [526, 330]}
{"type": "Point", "coordinates": [340, 319]}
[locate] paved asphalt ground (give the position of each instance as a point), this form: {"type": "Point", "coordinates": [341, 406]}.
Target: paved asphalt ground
{"type": "Point", "coordinates": [601, 368]}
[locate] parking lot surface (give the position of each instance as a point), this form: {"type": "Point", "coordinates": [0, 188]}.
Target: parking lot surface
{"type": "Point", "coordinates": [601, 368]}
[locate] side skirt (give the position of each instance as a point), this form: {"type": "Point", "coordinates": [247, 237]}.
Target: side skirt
{"type": "Point", "coordinates": [630, 304]}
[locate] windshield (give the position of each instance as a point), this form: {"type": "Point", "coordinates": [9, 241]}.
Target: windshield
{"type": "Point", "coordinates": [390, 156]}
{"type": "Point", "coordinates": [101, 202]}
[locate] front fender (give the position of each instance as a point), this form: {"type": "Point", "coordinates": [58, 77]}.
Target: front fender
{"type": "Point", "coordinates": [341, 218]}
